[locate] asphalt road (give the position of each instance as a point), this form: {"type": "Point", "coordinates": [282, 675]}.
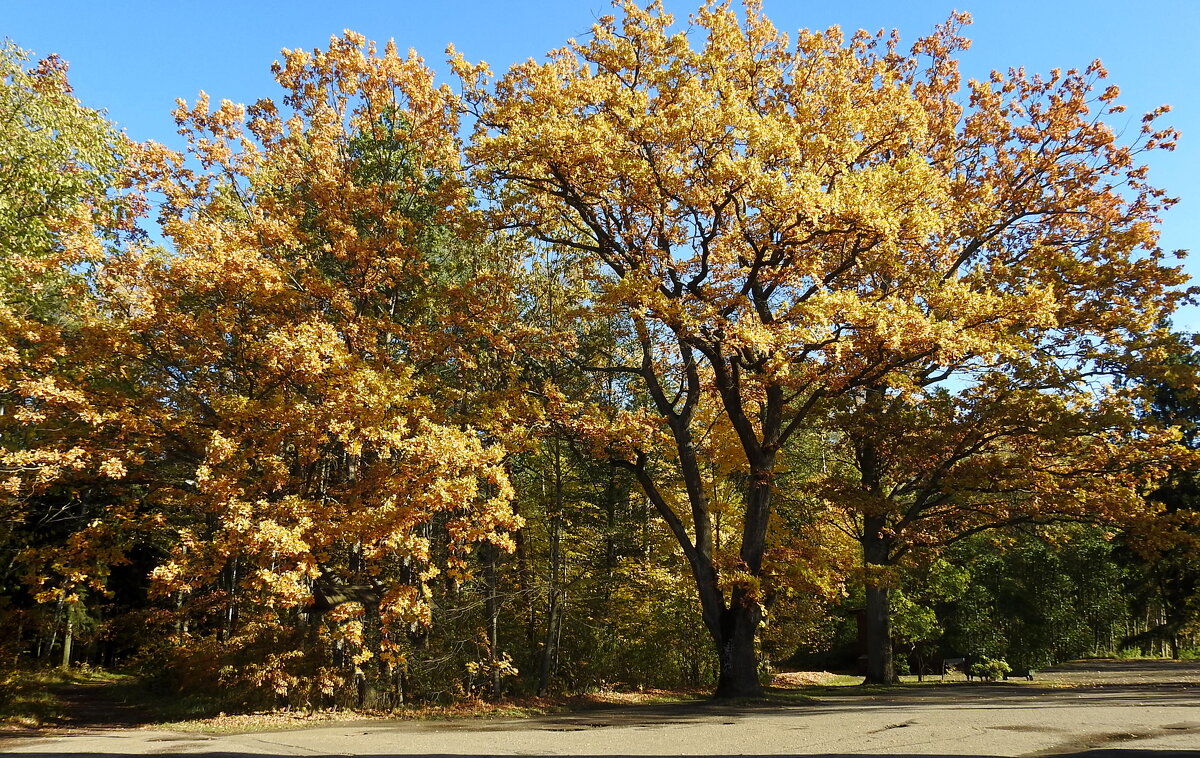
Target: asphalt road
{"type": "Point", "coordinates": [1113, 710]}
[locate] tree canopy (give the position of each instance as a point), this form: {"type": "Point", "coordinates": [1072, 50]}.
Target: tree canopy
{"type": "Point", "coordinates": [788, 226]}
{"type": "Point", "coordinates": [698, 311]}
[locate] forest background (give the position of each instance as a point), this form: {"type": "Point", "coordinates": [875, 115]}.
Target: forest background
{"type": "Point", "coordinates": [668, 359]}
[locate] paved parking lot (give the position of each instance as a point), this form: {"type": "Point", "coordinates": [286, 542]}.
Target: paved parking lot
{"type": "Point", "coordinates": [1113, 709]}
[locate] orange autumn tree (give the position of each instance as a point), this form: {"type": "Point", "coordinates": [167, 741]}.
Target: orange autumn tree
{"type": "Point", "coordinates": [288, 374]}
{"type": "Point", "coordinates": [783, 224]}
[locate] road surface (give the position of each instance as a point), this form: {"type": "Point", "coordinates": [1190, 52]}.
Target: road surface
{"type": "Point", "coordinates": [1115, 710]}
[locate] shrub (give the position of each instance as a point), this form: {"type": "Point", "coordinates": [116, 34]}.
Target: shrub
{"type": "Point", "coordinates": [990, 669]}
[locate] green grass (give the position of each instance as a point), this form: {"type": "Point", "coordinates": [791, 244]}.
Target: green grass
{"type": "Point", "coordinates": [26, 700]}
{"type": "Point", "coordinates": [27, 697]}
{"type": "Point", "coordinates": [30, 698]}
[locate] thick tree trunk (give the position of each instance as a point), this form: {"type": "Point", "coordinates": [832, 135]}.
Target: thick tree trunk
{"type": "Point", "coordinates": [732, 622]}
{"type": "Point", "coordinates": [732, 625]}
{"type": "Point", "coordinates": [880, 664]}
{"type": "Point", "coordinates": [738, 660]}
{"type": "Point", "coordinates": [877, 554]}
{"type": "Point", "coordinates": [738, 672]}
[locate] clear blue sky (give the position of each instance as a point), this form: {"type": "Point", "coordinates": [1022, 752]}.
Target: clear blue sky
{"type": "Point", "coordinates": [134, 58]}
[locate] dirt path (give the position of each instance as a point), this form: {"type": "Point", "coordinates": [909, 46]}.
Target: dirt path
{"type": "Point", "coordinates": [85, 706]}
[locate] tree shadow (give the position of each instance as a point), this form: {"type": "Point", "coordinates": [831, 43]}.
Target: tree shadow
{"type": "Point", "coordinates": [1095, 753]}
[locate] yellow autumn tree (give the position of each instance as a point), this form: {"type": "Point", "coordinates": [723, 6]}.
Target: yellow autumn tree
{"type": "Point", "coordinates": [280, 387]}
{"type": "Point", "coordinates": [59, 211]}
{"type": "Point", "coordinates": [783, 223]}
{"type": "Point", "coordinates": [59, 164]}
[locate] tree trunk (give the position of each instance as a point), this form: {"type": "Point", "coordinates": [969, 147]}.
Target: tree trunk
{"type": "Point", "coordinates": [731, 625]}
{"type": "Point", "coordinates": [610, 540]}
{"type": "Point", "coordinates": [880, 667]}
{"type": "Point", "coordinates": [523, 588]}
{"type": "Point", "coordinates": [877, 554]}
{"type": "Point", "coordinates": [492, 611]}
{"type": "Point", "coordinates": [553, 599]}
{"type": "Point", "coordinates": [68, 639]}
{"type": "Point", "coordinates": [553, 635]}
{"type": "Point", "coordinates": [738, 673]}
{"type": "Point", "coordinates": [880, 664]}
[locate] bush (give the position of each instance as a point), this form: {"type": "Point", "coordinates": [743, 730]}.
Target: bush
{"type": "Point", "coordinates": [990, 669]}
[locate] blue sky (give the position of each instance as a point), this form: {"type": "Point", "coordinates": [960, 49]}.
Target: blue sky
{"type": "Point", "coordinates": [134, 58]}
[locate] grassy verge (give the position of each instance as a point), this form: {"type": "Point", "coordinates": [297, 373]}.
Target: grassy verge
{"type": "Point", "coordinates": [34, 699]}
{"type": "Point", "coordinates": [28, 699]}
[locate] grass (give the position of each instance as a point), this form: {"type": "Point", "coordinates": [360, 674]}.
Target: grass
{"type": "Point", "coordinates": [810, 687]}
{"type": "Point", "coordinates": [26, 700]}
{"type": "Point", "coordinates": [28, 697]}
{"type": "Point", "coordinates": [804, 691]}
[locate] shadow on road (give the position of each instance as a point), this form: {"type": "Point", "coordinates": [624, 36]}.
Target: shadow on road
{"type": "Point", "coordinates": [1155, 666]}
{"type": "Point", "coordinates": [1103, 753]}
{"type": "Point", "coordinates": [1017, 696]}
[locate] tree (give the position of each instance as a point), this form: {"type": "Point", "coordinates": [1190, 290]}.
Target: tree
{"type": "Point", "coordinates": [59, 170]}
{"type": "Point", "coordinates": [924, 468]}
{"type": "Point", "coordinates": [1037, 596]}
{"type": "Point", "coordinates": [784, 226]}
{"type": "Point", "coordinates": [1161, 549]}
{"type": "Point", "coordinates": [59, 164]}
{"type": "Point", "coordinates": [58, 161]}
{"type": "Point", "coordinates": [277, 396]}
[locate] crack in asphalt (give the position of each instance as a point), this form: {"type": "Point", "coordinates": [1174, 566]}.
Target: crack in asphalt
{"type": "Point", "coordinates": [1027, 728]}
{"type": "Point", "coordinates": [1101, 740]}
{"type": "Point", "coordinates": [290, 746]}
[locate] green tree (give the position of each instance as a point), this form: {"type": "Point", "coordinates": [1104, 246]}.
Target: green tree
{"type": "Point", "coordinates": [59, 161]}
{"type": "Point", "coordinates": [1036, 598]}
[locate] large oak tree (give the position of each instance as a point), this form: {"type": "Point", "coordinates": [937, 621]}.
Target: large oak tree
{"type": "Point", "coordinates": [786, 223]}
